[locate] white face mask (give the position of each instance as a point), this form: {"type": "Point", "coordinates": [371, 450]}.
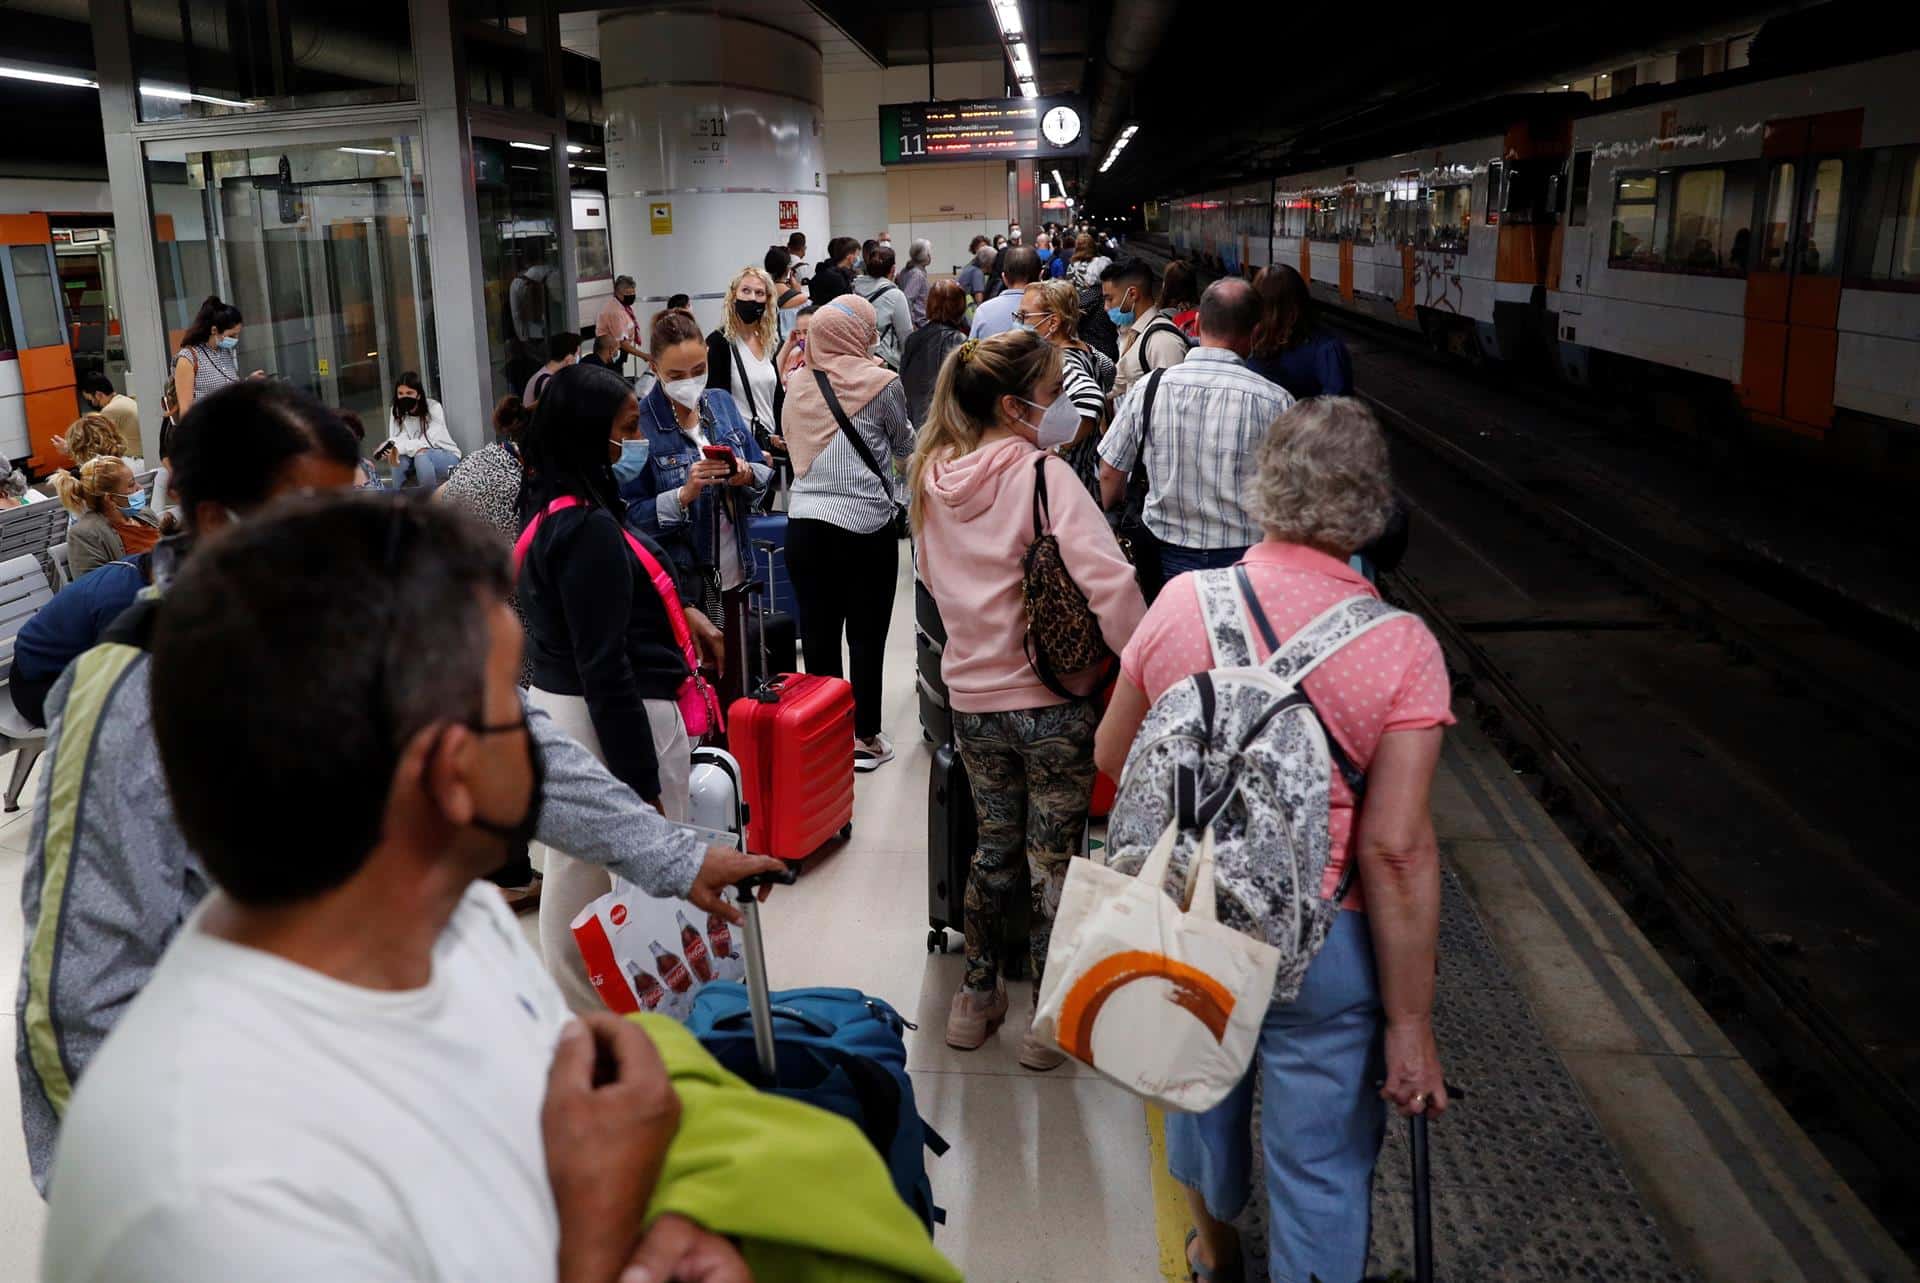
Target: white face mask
{"type": "Point", "coordinates": [1059, 422]}
{"type": "Point", "coordinates": [686, 391]}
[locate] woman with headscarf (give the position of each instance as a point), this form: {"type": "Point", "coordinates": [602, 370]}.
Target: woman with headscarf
{"type": "Point", "coordinates": [845, 422]}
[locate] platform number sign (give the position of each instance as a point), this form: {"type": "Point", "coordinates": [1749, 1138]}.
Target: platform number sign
{"type": "Point", "coordinates": [789, 215]}
{"type": "Point", "coordinates": [709, 138]}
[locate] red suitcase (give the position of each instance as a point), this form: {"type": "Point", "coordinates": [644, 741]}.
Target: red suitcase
{"type": "Point", "coordinates": [794, 742]}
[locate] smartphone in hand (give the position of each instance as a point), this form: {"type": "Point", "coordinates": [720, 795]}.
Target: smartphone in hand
{"type": "Point", "coordinates": [721, 454]}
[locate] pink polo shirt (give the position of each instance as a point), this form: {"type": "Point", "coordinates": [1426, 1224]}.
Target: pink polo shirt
{"type": "Point", "coordinates": [1392, 679]}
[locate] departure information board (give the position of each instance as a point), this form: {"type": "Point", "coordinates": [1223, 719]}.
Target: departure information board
{"type": "Point", "coordinates": [913, 133]}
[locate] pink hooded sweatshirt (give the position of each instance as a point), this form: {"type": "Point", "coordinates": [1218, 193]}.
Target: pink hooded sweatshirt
{"type": "Point", "coordinates": [977, 524]}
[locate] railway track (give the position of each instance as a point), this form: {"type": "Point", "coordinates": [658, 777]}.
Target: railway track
{"type": "Point", "coordinates": [1706, 769]}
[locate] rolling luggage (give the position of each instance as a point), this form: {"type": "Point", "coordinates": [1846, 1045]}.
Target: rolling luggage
{"type": "Point", "coordinates": [793, 736]}
{"type": "Point", "coordinates": [953, 831]}
{"type": "Point", "coordinates": [838, 1049]}
{"type": "Point", "coordinates": [929, 643]}
{"type": "Point", "coordinates": [781, 641]}
{"type": "Point", "coordinates": [769, 530]}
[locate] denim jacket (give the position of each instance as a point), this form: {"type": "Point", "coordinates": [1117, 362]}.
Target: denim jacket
{"type": "Point", "coordinates": [653, 499]}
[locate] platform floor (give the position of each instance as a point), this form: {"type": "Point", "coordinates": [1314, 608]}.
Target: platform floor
{"type": "Point", "coordinates": [1610, 1132]}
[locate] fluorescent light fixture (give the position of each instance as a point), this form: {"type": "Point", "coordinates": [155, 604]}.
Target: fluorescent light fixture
{"type": "Point", "coordinates": [1028, 89]}
{"type": "Point", "coordinates": [1022, 61]}
{"type": "Point", "coordinates": [1119, 145]}
{"type": "Point", "coordinates": [1059, 182]}
{"type": "Point", "coordinates": [1007, 14]}
{"type": "Point", "coordinates": [48, 78]}
{"type": "Point", "coordinates": [598, 169]}
{"type": "Point", "coordinates": [574, 149]}
{"type": "Point", "coordinates": [364, 151]}
{"type": "Point", "coordinates": [1045, 194]}
{"type": "Point", "coordinates": [182, 95]}
{"type": "Point", "coordinates": [531, 146]}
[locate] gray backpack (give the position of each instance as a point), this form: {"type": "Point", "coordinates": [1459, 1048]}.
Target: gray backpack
{"type": "Point", "coordinates": [1241, 749]}
{"type": "Point", "coordinates": [886, 343]}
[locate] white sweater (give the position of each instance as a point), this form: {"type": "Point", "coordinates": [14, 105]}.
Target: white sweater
{"type": "Point", "coordinates": [407, 439]}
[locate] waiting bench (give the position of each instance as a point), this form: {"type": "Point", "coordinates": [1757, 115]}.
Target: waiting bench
{"type": "Point", "coordinates": [24, 589]}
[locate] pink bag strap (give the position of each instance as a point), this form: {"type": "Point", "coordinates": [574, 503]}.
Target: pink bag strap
{"type": "Point", "coordinates": [662, 581]}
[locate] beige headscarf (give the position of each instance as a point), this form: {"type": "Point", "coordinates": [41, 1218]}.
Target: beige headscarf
{"type": "Point", "coordinates": [840, 342]}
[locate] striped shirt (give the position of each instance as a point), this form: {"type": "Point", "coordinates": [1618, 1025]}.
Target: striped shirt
{"type": "Point", "coordinates": [1210, 416]}
{"type": "Point", "coordinates": [839, 488]}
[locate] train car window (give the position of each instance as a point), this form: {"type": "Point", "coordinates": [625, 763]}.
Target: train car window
{"type": "Point", "coordinates": [1369, 219]}
{"type": "Point", "coordinates": [1496, 197]}
{"type": "Point", "coordinates": [1449, 216]}
{"type": "Point", "coordinates": [1582, 180]}
{"type": "Point", "coordinates": [6, 326]}
{"type": "Point", "coordinates": [39, 301]}
{"type": "Point", "coordinates": [1779, 224]}
{"type": "Point", "coordinates": [1883, 243]}
{"type": "Point", "coordinates": [1820, 229]}
{"type": "Point", "coordinates": [1635, 199]}
{"type": "Point", "coordinates": [1693, 231]}
{"type": "Point", "coordinates": [593, 254]}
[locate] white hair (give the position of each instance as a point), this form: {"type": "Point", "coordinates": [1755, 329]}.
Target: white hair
{"type": "Point", "coordinates": [1325, 480]}
{"type": "Point", "coordinates": [920, 253]}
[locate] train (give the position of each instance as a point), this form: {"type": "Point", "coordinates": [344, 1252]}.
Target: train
{"type": "Point", "coordinates": [1748, 248]}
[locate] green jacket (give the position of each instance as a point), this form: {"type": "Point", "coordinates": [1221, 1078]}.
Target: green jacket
{"type": "Point", "coordinates": [801, 1190]}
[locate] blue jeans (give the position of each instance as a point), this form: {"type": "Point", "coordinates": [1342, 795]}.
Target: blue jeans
{"type": "Point", "coordinates": [431, 467]}
{"type": "Point", "coordinates": [1321, 1119]}
{"type": "Point", "coordinates": [1175, 560]}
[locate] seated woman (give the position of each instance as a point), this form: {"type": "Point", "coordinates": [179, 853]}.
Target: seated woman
{"type": "Point", "coordinates": [702, 478]}
{"type": "Point", "coordinates": [111, 520]}
{"type": "Point", "coordinates": [1323, 490]}
{"type": "Point", "coordinates": [419, 446]}
{"type": "Point", "coordinates": [93, 436]}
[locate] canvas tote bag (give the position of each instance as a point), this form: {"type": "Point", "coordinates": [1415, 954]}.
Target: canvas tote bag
{"type": "Point", "coordinates": [1165, 1001]}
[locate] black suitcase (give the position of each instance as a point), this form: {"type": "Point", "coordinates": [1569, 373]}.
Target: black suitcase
{"type": "Point", "coordinates": [926, 614]}
{"type": "Point", "coordinates": [952, 834]}
{"type": "Point", "coordinates": [936, 712]}
{"type": "Point", "coordinates": [782, 644]}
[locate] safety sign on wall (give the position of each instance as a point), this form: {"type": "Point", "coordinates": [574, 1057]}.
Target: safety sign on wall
{"type": "Point", "coordinates": [660, 217]}
{"type": "Point", "coordinates": [789, 215]}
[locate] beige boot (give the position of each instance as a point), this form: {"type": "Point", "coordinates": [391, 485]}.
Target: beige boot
{"type": "Point", "coordinates": [1037, 1053]}
{"type": "Point", "coordinates": [974, 1016]}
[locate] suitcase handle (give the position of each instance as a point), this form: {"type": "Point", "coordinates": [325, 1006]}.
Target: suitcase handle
{"type": "Point", "coordinates": [783, 877]}
{"type": "Point", "coordinates": [733, 1020]}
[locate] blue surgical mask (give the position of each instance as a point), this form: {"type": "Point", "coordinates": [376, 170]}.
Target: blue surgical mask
{"type": "Point", "coordinates": [136, 501]}
{"type": "Point", "coordinates": [1121, 318]}
{"type": "Point", "coordinates": [633, 459]}
{"type": "Point", "coordinates": [1046, 255]}
{"type": "Point", "coordinates": [229, 342]}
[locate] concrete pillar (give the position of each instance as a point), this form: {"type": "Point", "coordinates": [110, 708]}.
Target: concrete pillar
{"type": "Point", "coordinates": [713, 130]}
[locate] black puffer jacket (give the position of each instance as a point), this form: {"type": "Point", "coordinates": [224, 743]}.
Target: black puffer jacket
{"type": "Point", "coordinates": [920, 361]}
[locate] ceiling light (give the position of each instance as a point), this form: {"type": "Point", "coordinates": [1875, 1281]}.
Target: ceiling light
{"type": "Point", "coordinates": [574, 149]}
{"type": "Point", "coordinates": [598, 169]}
{"type": "Point", "coordinates": [1059, 182]}
{"type": "Point", "coordinates": [1007, 14]}
{"type": "Point", "coordinates": [1022, 63]}
{"type": "Point", "coordinates": [48, 78]}
{"type": "Point", "coordinates": [531, 146]}
{"type": "Point", "coordinates": [364, 151]}
{"type": "Point", "coordinates": [1603, 75]}
{"type": "Point", "coordinates": [1028, 89]}
{"type": "Point", "coordinates": [1119, 145]}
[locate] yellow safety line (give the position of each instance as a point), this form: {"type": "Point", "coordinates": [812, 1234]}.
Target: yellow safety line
{"type": "Point", "coordinates": [1170, 1219]}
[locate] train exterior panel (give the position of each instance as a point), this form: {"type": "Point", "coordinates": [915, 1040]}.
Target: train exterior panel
{"type": "Point", "coordinates": [1763, 235]}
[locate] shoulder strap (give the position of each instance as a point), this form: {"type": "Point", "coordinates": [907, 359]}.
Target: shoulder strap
{"type": "Point", "coordinates": [788, 297]}
{"type": "Point", "coordinates": [1146, 403]}
{"type": "Point", "coordinates": [746, 384]}
{"type": "Point", "coordinates": [1042, 513]}
{"type": "Point", "coordinates": [1226, 622]}
{"type": "Point", "coordinates": [881, 292]}
{"type": "Point", "coordinates": [852, 434]}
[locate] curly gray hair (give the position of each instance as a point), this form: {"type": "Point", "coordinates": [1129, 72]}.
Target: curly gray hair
{"type": "Point", "coordinates": [1325, 480]}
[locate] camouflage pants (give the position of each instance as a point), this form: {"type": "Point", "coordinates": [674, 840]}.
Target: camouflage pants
{"type": "Point", "coordinates": [1032, 775]}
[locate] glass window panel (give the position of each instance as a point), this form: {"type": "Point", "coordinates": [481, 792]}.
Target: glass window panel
{"type": "Point", "coordinates": [7, 347]}
{"type": "Point", "coordinates": [1906, 230]}
{"type": "Point", "coordinates": [1634, 206]}
{"type": "Point", "coordinates": [1496, 199]}
{"type": "Point", "coordinates": [1582, 180]}
{"type": "Point", "coordinates": [322, 246]}
{"type": "Point", "coordinates": [1820, 236]}
{"type": "Point", "coordinates": [1693, 235]}
{"type": "Point", "coordinates": [41, 320]}
{"type": "Point", "coordinates": [223, 57]}
{"type": "Point", "coordinates": [1736, 216]}
{"type": "Point", "coordinates": [594, 251]}
{"type": "Point", "coordinates": [506, 56]}
{"type": "Point", "coordinates": [1779, 226]}
{"type": "Point", "coordinates": [519, 258]}
{"type": "Point", "coordinates": [1450, 211]}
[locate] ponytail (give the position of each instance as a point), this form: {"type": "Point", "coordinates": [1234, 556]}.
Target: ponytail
{"type": "Point", "coordinates": [213, 315]}
{"type": "Point", "coordinates": [966, 400]}
{"type": "Point", "coordinates": [89, 488]}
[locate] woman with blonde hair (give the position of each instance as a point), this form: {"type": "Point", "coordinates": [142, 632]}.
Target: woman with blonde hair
{"type": "Point", "coordinates": [94, 436]}
{"type": "Point", "coordinates": [111, 517]}
{"type": "Point", "coordinates": [975, 480]}
{"type": "Point", "coordinates": [1051, 309]}
{"type": "Point", "coordinates": [740, 353]}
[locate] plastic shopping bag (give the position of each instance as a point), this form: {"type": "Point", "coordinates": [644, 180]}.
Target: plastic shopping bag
{"type": "Point", "coordinates": [645, 954]}
{"type": "Point", "coordinates": [1165, 1001]}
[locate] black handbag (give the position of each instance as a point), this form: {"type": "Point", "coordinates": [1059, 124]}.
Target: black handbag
{"type": "Point", "coordinates": [899, 525]}
{"type": "Point", "coordinates": [1063, 633]}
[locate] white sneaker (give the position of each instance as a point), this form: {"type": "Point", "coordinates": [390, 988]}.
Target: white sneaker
{"type": "Point", "coordinates": [869, 755]}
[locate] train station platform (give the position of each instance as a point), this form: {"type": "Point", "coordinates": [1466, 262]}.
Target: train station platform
{"type": "Point", "coordinates": [1610, 1132]}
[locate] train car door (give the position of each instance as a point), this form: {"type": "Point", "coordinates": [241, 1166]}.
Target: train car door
{"type": "Point", "coordinates": [1349, 224]}
{"type": "Point", "coordinates": [1793, 285]}
{"type": "Point", "coordinates": [41, 338]}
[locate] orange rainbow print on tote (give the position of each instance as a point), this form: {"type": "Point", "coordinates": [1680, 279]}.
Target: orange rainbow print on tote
{"type": "Point", "coordinates": [1195, 990]}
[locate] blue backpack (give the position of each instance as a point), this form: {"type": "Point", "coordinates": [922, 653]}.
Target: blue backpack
{"type": "Point", "coordinates": [841, 1050]}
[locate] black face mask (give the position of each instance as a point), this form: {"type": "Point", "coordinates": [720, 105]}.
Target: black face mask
{"type": "Point", "coordinates": [407, 404]}
{"type": "Point", "coordinates": [749, 310]}
{"type": "Point", "coordinates": [519, 834]}
{"type": "Point", "coordinates": [627, 299]}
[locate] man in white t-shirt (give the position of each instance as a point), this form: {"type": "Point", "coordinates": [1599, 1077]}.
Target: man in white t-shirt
{"type": "Point", "coordinates": [349, 1064]}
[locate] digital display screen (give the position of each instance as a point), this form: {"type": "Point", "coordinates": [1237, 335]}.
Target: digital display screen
{"type": "Point", "coordinates": [913, 133]}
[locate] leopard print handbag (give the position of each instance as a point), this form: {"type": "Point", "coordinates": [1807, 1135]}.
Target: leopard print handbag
{"type": "Point", "coordinates": [1063, 633]}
